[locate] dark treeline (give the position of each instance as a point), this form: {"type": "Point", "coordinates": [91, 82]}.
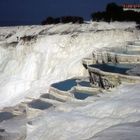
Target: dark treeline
{"type": "Point", "coordinates": [115, 13]}
{"type": "Point", "coordinates": [64, 19]}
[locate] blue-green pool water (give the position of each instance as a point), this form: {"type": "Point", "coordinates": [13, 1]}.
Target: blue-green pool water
{"type": "Point", "coordinates": [114, 68]}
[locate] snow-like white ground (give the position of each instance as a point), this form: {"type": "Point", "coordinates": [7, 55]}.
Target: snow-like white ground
{"type": "Point", "coordinates": [111, 116]}
{"type": "Point", "coordinates": [28, 68]}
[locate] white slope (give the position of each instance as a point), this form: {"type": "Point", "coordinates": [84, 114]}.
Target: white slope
{"type": "Point", "coordinates": [126, 131]}
{"type": "Point", "coordinates": [28, 68]}
{"type": "Point", "coordinates": [111, 116]}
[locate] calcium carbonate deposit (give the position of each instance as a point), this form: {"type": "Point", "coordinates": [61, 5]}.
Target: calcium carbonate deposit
{"type": "Point", "coordinates": [34, 57]}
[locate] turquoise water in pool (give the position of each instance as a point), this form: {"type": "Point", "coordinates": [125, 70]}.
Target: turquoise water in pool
{"type": "Point", "coordinates": [68, 84]}
{"type": "Point", "coordinates": [65, 85]}
{"type": "Point", "coordinates": [114, 68]}
{"type": "Point", "coordinates": [84, 84]}
{"type": "Point", "coordinates": [5, 116]}
{"type": "Point", "coordinates": [81, 96]}
{"type": "Point", "coordinates": [38, 104]}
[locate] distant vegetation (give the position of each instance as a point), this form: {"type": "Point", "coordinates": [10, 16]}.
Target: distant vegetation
{"type": "Point", "coordinates": [115, 13]}
{"type": "Point", "coordinates": [64, 19]}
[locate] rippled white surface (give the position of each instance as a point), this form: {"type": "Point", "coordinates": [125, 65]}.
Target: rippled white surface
{"type": "Point", "coordinates": [28, 69]}
{"type": "Point", "coordinates": [111, 116]}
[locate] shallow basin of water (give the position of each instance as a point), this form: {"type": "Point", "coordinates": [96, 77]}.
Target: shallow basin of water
{"type": "Point", "coordinates": [38, 104]}
{"type": "Point", "coordinates": [5, 116]}
{"type": "Point", "coordinates": [115, 68]}
{"type": "Point", "coordinates": [81, 96]}
{"type": "Point", "coordinates": [84, 84]}
{"type": "Point", "coordinates": [65, 85]}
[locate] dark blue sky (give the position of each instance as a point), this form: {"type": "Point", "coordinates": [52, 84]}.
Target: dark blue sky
{"type": "Point", "coordinates": [14, 12]}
